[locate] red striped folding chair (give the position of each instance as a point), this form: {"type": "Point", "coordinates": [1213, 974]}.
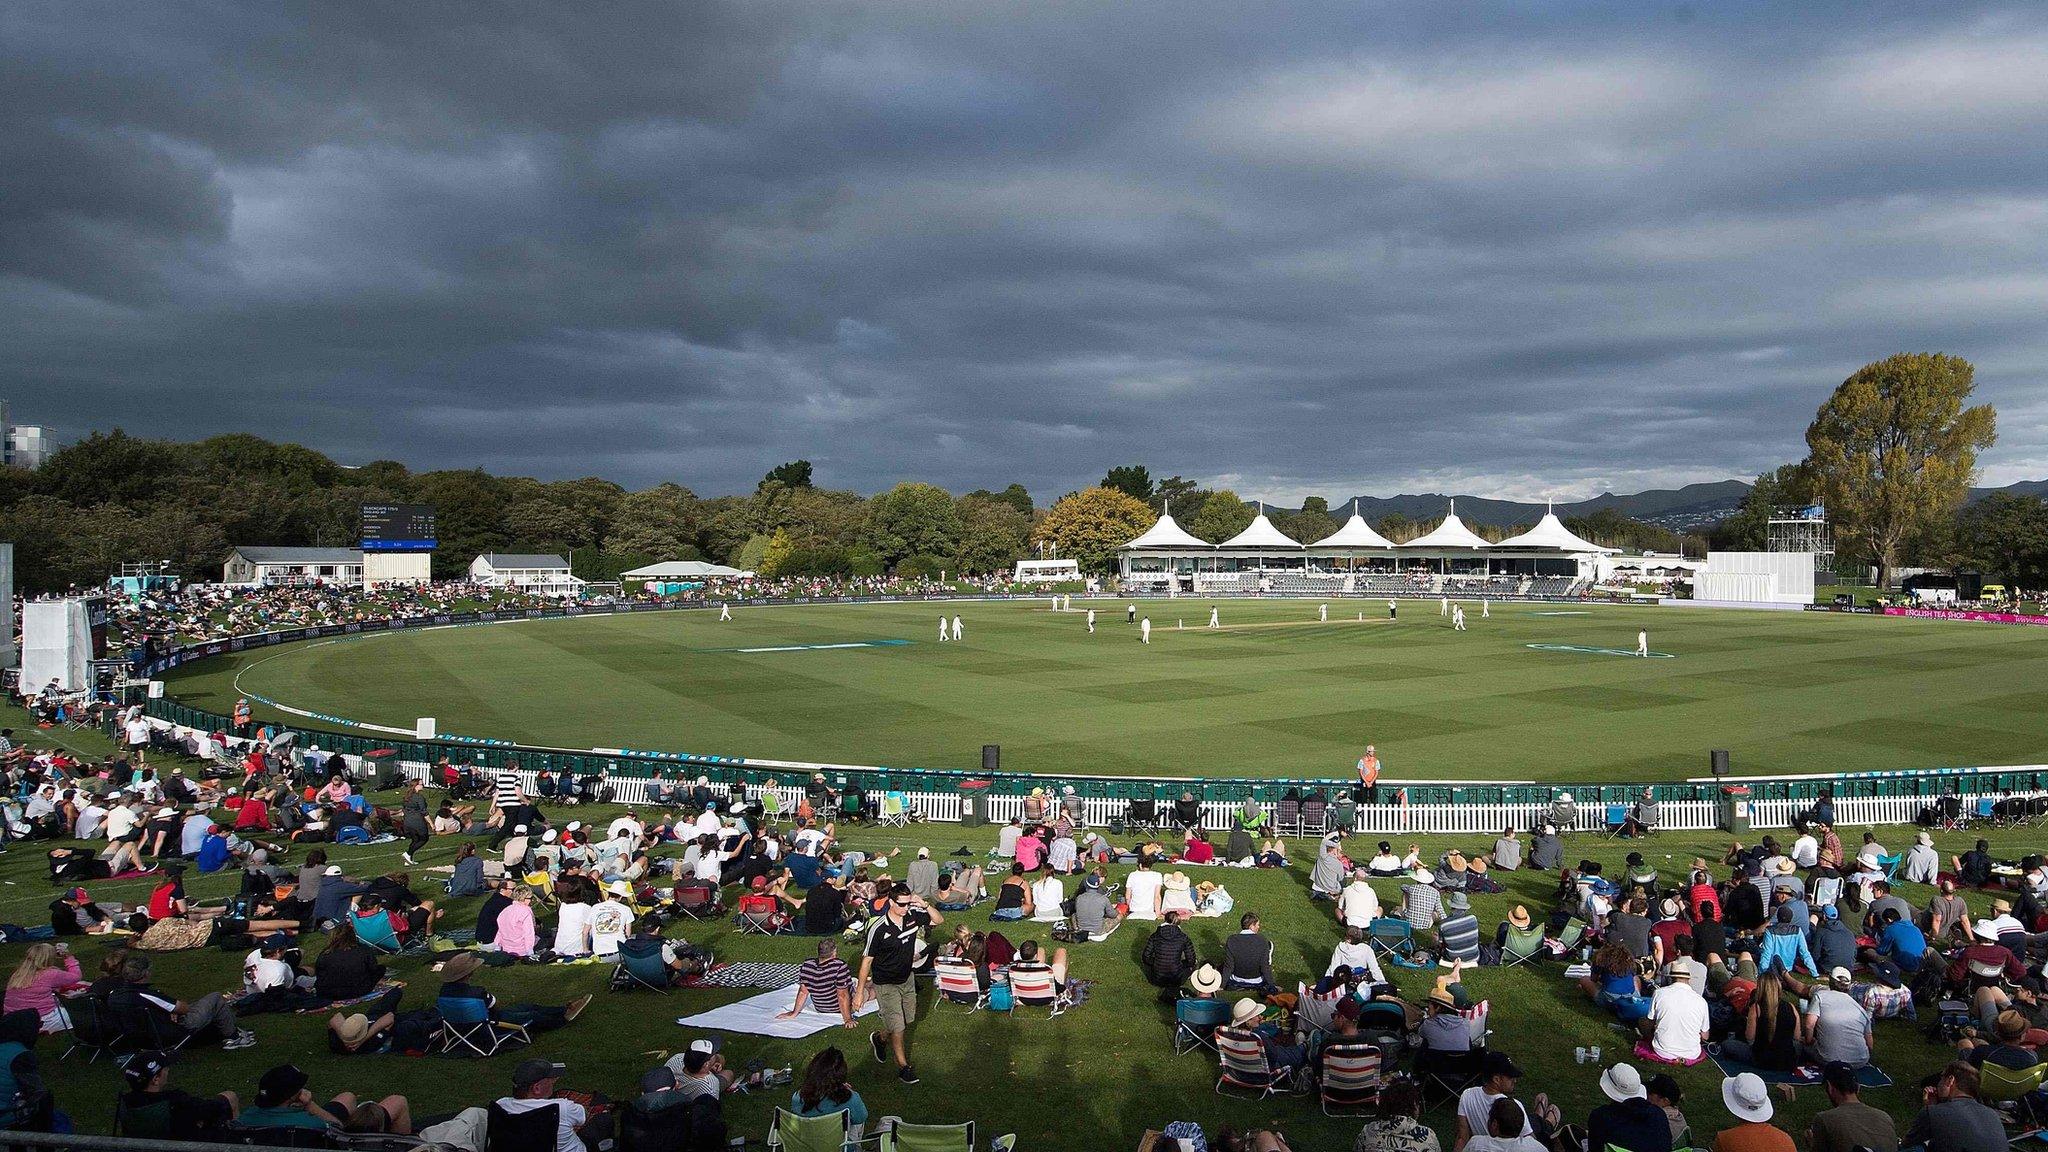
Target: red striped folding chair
{"type": "Point", "coordinates": [958, 981]}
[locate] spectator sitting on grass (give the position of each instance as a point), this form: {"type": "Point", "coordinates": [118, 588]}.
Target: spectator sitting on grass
{"type": "Point", "coordinates": [1749, 1098]}
{"type": "Point", "coordinates": [826, 982]}
{"type": "Point", "coordinates": [283, 1101]}
{"type": "Point", "coordinates": [825, 1090]}
{"type": "Point", "coordinates": [1630, 1121]}
{"type": "Point", "coordinates": [533, 1088]}
{"type": "Point", "coordinates": [1248, 958]}
{"type": "Point", "coordinates": [1398, 1126]}
{"type": "Point", "coordinates": [1952, 1118]}
{"type": "Point", "coordinates": [1614, 984]}
{"type": "Point", "coordinates": [152, 1109]}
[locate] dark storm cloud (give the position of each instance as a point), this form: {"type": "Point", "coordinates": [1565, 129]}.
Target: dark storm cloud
{"type": "Point", "coordinates": [1303, 248]}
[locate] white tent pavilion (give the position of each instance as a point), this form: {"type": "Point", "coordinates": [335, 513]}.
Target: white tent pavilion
{"type": "Point", "coordinates": [1166, 534]}
{"type": "Point", "coordinates": [682, 570]}
{"type": "Point", "coordinates": [1260, 533]}
{"type": "Point", "coordinates": [1451, 534]}
{"type": "Point", "coordinates": [1550, 532]}
{"type": "Point", "coordinates": [1355, 533]}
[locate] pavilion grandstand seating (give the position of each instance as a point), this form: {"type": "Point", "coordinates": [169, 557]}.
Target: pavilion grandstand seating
{"type": "Point", "coordinates": [1330, 584]}
{"type": "Point", "coordinates": [1483, 585]}
{"type": "Point", "coordinates": [1393, 584]}
{"type": "Point", "coordinates": [1226, 582]}
{"type": "Point", "coordinates": [1553, 586]}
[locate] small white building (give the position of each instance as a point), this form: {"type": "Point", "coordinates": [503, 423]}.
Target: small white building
{"type": "Point", "coordinates": [1046, 571]}
{"type": "Point", "coordinates": [294, 566]}
{"type": "Point", "coordinates": [538, 574]}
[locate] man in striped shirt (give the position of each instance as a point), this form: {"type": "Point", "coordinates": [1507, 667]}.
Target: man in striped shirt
{"type": "Point", "coordinates": [826, 984]}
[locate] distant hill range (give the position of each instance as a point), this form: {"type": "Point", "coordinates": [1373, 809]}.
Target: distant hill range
{"type": "Point", "coordinates": [1688, 509]}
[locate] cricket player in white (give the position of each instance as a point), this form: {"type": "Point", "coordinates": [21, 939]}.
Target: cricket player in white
{"type": "Point", "coordinates": [1322, 613]}
{"type": "Point", "coordinates": [959, 632]}
{"type": "Point", "coordinates": [724, 610]}
{"type": "Point", "coordinates": [1130, 613]}
{"type": "Point", "coordinates": [1091, 621]}
{"type": "Point", "coordinates": [1458, 619]}
{"type": "Point", "coordinates": [1485, 612]}
{"type": "Point", "coordinates": [1643, 643]}
{"type": "Point", "coordinates": [1215, 618]}
{"type": "Point", "coordinates": [942, 628]}
{"type": "Point", "coordinates": [1443, 607]}
{"type": "Point", "coordinates": [1145, 630]}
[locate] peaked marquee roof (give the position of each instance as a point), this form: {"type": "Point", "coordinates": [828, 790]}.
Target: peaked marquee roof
{"type": "Point", "coordinates": [1452, 533]}
{"type": "Point", "coordinates": [1164, 533]}
{"type": "Point", "coordinates": [1550, 532]}
{"type": "Point", "coordinates": [1260, 533]}
{"type": "Point", "coordinates": [1355, 533]}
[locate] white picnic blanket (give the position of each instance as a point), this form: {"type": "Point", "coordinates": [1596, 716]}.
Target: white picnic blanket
{"type": "Point", "coordinates": [756, 1016]}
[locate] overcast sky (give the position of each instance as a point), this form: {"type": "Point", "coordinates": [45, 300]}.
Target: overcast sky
{"type": "Point", "coordinates": [1525, 250]}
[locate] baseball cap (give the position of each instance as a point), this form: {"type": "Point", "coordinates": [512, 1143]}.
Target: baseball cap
{"type": "Point", "coordinates": [333, 870]}
{"type": "Point", "coordinates": [276, 942]}
{"type": "Point", "coordinates": [80, 894]}
{"type": "Point", "coordinates": [657, 1079]}
{"type": "Point", "coordinates": [280, 1084]}
{"type": "Point", "coordinates": [1839, 975]}
{"type": "Point", "coordinates": [707, 1045]}
{"type": "Point", "coordinates": [1498, 1064]}
{"type": "Point", "coordinates": [143, 1067]}
{"type": "Point", "coordinates": [531, 1072]}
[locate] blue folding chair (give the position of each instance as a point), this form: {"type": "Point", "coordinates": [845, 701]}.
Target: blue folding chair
{"type": "Point", "coordinates": [1393, 938]}
{"type": "Point", "coordinates": [1617, 818]}
{"type": "Point", "coordinates": [1195, 1023]}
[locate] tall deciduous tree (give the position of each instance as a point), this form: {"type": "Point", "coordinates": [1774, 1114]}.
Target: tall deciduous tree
{"type": "Point", "coordinates": [913, 519]}
{"type": "Point", "coordinates": [795, 474]}
{"type": "Point", "coordinates": [992, 535]}
{"type": "Point", "coordinates": [1221, 516]}
{"type": "Point", "coordinates": [1894, 449]}
{"type": "Point", "coordinates": [2005, 537]}
{"type": "Point", "coordinates": [1133, 480]}
{"type": "Point", "coordinates": [1090, 525]}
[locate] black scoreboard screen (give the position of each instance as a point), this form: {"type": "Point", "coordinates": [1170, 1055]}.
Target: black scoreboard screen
{"type": "Point", "coordinates": [398, 528]}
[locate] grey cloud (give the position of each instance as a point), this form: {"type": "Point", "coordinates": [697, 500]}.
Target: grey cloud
{"type": "Point", "coordinates": [1529, 250]}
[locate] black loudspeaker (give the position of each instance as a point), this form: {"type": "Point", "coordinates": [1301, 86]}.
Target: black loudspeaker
{"type": "Point", "coordinates": [991, 758]}
{"type": "Point", "coordinates": [1718, 761]}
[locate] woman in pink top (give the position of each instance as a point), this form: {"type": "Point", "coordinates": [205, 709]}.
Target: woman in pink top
{"type": "Point", "coordinates": [337, 790]}
{"type": "Point", "coordinates": [515, 925]}
{"type": "Point", "coordinates": [1030, 851]}
{"type": "Point", "coordinates": [45, 969]}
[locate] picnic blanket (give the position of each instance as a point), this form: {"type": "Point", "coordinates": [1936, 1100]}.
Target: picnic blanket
{"type": "Point", "coordinates": [745, 976]}
{"type": "Point", "coordinates": [1868, 1076]}
{"type": "Point", "coordinates": [756, 1016]}
{"type": "Point", "coordinates": [365, 998]}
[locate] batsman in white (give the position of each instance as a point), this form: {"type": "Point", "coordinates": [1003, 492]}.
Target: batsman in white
{"type": "Point", "coordinates": [724, 610]}
{"type": "Point", "coordinates": [1215, 617]}
{"type": "Point", "coordinates": [1145, 630]}
{"type": "Point", "coordinates": [1643, 643]}
{"type": "Point", "coordinates": [1091, 621]}
{"type": "Point", "coordinates": [1322, 613]}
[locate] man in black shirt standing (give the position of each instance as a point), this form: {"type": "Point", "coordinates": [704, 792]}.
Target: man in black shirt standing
{"type": "Point", "coordinates": [887, 963]}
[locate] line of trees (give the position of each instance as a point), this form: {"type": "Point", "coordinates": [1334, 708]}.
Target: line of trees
{"type": "Point", "coordinates": [112, 498]}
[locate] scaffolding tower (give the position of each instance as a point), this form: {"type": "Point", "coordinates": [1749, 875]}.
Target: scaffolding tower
{"type": "Point", "coordinates": [1803, 529]}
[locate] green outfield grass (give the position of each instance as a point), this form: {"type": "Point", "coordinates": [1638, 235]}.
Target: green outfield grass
{"type": "Point", "coordinates": [1274, 693]}
{"type": "Point", "coordinates": [1094, 1078]}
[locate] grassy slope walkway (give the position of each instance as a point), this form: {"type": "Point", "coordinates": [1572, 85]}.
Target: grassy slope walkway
{"type": "Point", "coordinates": [1106, 1065]}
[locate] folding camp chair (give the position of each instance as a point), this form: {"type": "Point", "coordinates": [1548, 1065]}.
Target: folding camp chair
{"type": "Point", "coordinates": [642, 970]}
{"type": "Point", "coordinates": [149, 1027]}
{"type": "Point", "coordinates": [1393, 938]}
{"type": "Point", "coordinates": [1573, 934]}
{"type": "Point", "coordinates": [1142, 815]}
{"type": "Point", "coordinates": [832, 1132]}
{"type": "Point", "coordinates": [1317, 1013]}
{"type": "Point", "coordinates": [507, 1131]}
{"type": "Point", "coordinates": [895, 811]}
{"type": "Point", "coordinates": [1383, 1024]}
{"type": "Point", "coordinates": [1195, 1023]}
{"type": "Point", "coordinates": [93, 1028]}
{"type": "Point", "coordinates": [1351, 1078]}
{"type": "Point", "coordinates": [2015, 1093]}
{"type": "Point", "coordinates": [1287, 815]}
{"type": "Point", "coordinates": [1315, 814]}
{"type": "Point", "coordinates": [466, 1026]}
{"type": "Point", "coordinates": [901, 1137]}
{"type": "Point", "coordinates": [1242, 1065]}
{"type": "Point", "coordinates": [1521, 946]}
{"type": "Point", "coordinates": [1031, 985]}
{"type": "Point", "coordinates": [761, 923]}
{"type": "Point", "coordinates": [1450, 1072]}
{"type": "Point", "coordinates": [1984, 810]}
{"type": "Point", "coordinates": [1890, 864]}
{"type": "Point", "coordinates": [959, 982]}
{"type": "Point", "coordinates": [771, 807]}
{"type": "Point", "coordinates": [1616, 819]}
{"type": "Point", "coordinates": [697, 901]}
{"type": "Point", "coordinates": [852, 807]}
